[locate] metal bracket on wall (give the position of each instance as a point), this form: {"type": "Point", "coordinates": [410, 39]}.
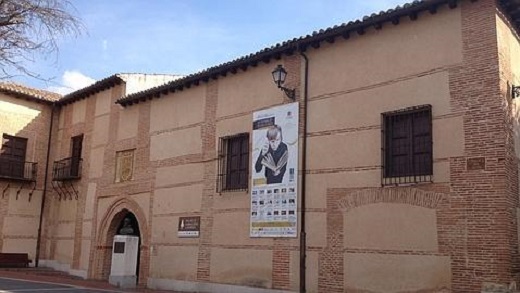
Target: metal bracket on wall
{"type": "Point", "coordinates": [32, 190]}
{"type": "Point", "coordinates": [19, 190]}
{"type": "Point", "coordinates": [56, 186]}
{"type": "Point", "coordinates": [63, 191]}
{"type": "Point", "coordinates": [64, 188]}
{"type": "Point", "coordinates": [76, 194]}
{"type": "Point", "coordinates": [5, 189]}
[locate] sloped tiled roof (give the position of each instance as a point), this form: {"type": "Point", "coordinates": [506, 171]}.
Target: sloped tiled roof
{"type": "Point", "coordinates": [104, 84]}
{"type": "Point", "coordinates": [91, 89]}
{"type": "Point", "coordinates": [289, 47]}
{"type": "Point", "coordinates": [23, 92]}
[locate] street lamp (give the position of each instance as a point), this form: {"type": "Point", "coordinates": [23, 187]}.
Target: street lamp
{"type": "Point", "coordinates": [279, 75]}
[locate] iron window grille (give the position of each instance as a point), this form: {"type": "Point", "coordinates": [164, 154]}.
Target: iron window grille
{"type": "Point", "coordinates": [70, 168]}
{"type": "Point", "coordinates": [407, 147]}
{"type": "Point", "coordinates": [12, 159]}
{"type": "Point", "coordinates": [17, 170]}
{"type": "Point", "coordinates": [233, 163]}
{"type": "Point", "coordinates": [67, 169]}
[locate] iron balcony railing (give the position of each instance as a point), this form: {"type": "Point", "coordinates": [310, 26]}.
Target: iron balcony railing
{"type": "Point", "coordinates": [67, 169]}
{"type": "Point", "coordinates": [17, 170]}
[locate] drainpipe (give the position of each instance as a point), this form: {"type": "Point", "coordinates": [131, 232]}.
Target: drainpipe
{"type": "Point", "coordinates": [303, 234]}
{"type": "Point", "coordinates": [44, 193]}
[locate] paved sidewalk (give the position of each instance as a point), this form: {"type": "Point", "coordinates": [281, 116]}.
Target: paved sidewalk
{"type": "Point", "coordinates": [57, 277]}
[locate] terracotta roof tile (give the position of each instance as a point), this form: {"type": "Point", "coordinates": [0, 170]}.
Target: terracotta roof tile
{"type": "Point", "coordinates": [94, 88]}
{"type": "Point", "coordinates": [27, 92]}
{"type": "Point", "coordinates": [101, 85]}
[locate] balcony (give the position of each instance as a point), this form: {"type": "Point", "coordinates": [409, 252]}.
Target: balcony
{"type": "Point", "coordinates": [17, 170]}
{"type": "Point", "coordinates": [67, 169]}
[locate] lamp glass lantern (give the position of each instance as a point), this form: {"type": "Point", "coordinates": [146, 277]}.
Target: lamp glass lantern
{"type": "Point", "coordinates": [279, 75]}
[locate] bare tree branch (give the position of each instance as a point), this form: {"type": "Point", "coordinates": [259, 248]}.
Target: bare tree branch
{"type": "Point", "coordinates": [29, 27]}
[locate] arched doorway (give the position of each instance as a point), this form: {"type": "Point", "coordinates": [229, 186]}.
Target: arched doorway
{"type": "Point", "coordinates": [129, 226]}
{"type": "Point", "coordinates": [110, 226]}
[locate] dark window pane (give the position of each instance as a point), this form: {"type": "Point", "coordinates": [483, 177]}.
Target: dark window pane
{"type": "Point", "coordinates": [233, 163]}
{"type": "Point", "coordinates": [407, 149]}
{"type": "Point", "coordinates": [12, 156]}
{"type": "Point", "coordinates": [14, 148]}
{"type": "Point", "coordinates": [76, 147]}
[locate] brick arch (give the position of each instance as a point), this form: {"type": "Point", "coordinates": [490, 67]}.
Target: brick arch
{"type": "Point", "coordinates": [403, 195]}
{"type": "Point", "coordinates": [107, 230]}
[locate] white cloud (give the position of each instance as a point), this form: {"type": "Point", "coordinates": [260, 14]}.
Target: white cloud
{"type": "Point", "coordinates": [72, 81]}
{"type": "Point", "coordinates": [104, 44]}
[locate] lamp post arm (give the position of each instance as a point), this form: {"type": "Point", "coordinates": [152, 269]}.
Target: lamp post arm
{"type": "Point", "coordinates": [290, 93]}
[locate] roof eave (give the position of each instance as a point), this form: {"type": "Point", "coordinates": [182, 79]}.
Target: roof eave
{"type": "Point", "coordinates": [289, 47]}
{"type": "Point", "coordinates": [27, 97]}
{"type": "Point", "coordinates": [95, 88]}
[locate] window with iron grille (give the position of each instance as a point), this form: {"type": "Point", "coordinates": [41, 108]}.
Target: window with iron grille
{"type": "Point", "coordinates": [407, 155]}
{"type": "Point", "coordinates": [233, 163]}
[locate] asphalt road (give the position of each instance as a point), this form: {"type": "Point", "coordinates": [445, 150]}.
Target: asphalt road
{"type": "Point", "coordinates": [15, 285]}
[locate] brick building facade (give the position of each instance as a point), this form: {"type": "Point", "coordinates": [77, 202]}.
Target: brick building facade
{"type": "Point", "coordinates": [408, 135]}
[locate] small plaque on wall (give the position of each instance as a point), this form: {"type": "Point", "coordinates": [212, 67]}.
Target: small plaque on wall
{"type": "Point", "coordinates": [189, 227]}
{"type": "Point", "coordinates": [119, 247]}
{"type": "Point", "coordinates": [473, 164]}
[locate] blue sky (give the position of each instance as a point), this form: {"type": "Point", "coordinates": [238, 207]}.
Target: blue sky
{"type": "Point", "coordinates": [182, 37]}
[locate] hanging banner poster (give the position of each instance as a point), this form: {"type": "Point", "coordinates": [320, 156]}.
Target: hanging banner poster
{"type": "Point", "coordinates": [275, 172]}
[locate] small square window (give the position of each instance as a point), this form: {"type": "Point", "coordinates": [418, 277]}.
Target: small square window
{"type": "Point", "coordinates": [233, 163]}
{"type": "Point", "coordinates": [124, 165]}
{"type": "Point", "coordinates": [407, 145]}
